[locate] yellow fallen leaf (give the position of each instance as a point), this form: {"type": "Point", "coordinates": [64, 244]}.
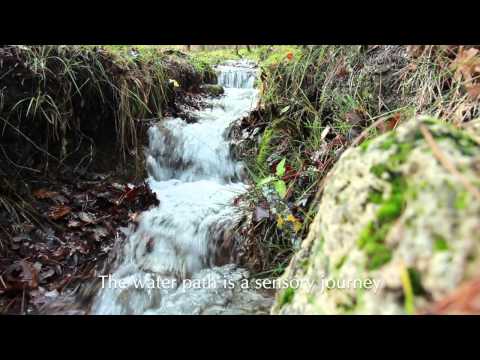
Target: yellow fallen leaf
{"type": "Point", "coordinates": [280, 222]}
{"type": "Point", "coordinates": [297, 225]}
{"type": "Point", "coordinates": [174, 82]}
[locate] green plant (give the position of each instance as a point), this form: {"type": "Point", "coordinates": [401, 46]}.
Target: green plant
{"type": "Point", "coordinates": [279, 185]}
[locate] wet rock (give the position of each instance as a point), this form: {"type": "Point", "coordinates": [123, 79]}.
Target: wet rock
{"type": "Point", "coordinates": [212, 90]}
{"type": "Point", "coordinates": [395, 230]}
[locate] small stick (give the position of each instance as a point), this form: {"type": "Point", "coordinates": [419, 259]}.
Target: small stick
{"type": "Point", "coordinates": [3, 282]}
{"type": "Point", "coordinates": [365, 132]}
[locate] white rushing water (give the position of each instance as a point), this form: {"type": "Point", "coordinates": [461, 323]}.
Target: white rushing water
{"type": "Point", "coordinates": [169, 261]}
{"type": "Point", "coordinates": [237, 74]}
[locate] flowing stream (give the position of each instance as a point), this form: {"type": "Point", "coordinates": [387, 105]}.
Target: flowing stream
{"type": "Point", "coordinates": [171, 262]}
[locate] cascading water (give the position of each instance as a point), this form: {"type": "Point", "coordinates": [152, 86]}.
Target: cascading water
{"type": "Point", "coordinates": [236, 74]}
{"type": "Point", "coordinates": [196, 181]}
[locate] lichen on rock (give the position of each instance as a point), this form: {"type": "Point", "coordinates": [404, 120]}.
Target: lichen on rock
{"type": "Point", "coordinates": [395, 230]}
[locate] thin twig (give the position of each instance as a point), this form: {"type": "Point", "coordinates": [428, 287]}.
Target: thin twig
{"type": "Point", "coordinates": [29, 140]}
{"type": "Point", "coordinates": [365, 132]}
{"type": "Point", "coordinates": [17, 165]}
{"type": "Point", "coordinates": [3, 282]}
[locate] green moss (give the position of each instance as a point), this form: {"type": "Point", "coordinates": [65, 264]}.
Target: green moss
{"type": "Point", "coordinates": [286, 296]}
{"type": "Point", "coordinates": [213, 90]}
{"type": "Point", "coordinates": [431, 121]}
{"type": "Point", "coordinates": [371, 239]}
{"type": "Point", "coordinates": [462, 139]}
{"type": "Point", "coordinates": [379, 169]}
{"type": "Point", "coordinates": [366, 234]}
{"type": "Point", "coordinates": [388, 142]}
{"type": "Point", "coordinates": [373, 235]}
{"type": "Point", "coordinates": [390, 210]}
{"type": "Point", "coordinates": [375, 197]}
{"type": "Point", "coordinates": [462, 200]}
{"type": "Point", "coordinates": [440, 243]}
{"type": "Point", "coordinates": [364, 146]}
{"type": "Point", "coordinates": [400, 155]}
{"type": "Point", "coordinates": [379, 255]}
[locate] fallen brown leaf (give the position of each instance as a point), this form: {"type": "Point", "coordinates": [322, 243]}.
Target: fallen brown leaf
{"type": "Point", "coordinates": [474, 91]}
{"type": "Point", "coordinates": [58, 212]}
{"type": "Point", "coordinates": [389, 124]}
{"type": "Point", "coordinates": [464, 300]}
{"type": "Point", "coordinates": [44, 194]}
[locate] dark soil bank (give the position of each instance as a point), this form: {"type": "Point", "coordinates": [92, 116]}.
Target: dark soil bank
{"type": "Point", "coordinates": [74, 123]}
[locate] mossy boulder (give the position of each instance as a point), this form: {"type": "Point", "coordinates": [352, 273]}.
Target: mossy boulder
{"type": "Point", "coordinates": [212, 89]}
{"type": "Point", "coordinates": [395, 230]}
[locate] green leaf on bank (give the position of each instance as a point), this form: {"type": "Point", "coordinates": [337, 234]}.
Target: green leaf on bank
{"type": "Point", "coordinates": [281, 168]}
{"type": "Point", "coordinates": [266, 181]}
{"type": "Point", "coordinates": [281, 188]}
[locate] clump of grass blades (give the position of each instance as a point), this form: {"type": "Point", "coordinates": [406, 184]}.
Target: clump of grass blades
{"type": "Point", "coordinates": [62, 87]}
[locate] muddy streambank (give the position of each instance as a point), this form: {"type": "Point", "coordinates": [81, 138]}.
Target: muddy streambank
{"type": "Point", "coordinates": [74, 124]}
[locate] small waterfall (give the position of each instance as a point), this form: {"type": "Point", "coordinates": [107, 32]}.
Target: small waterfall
{"type": "Point", "coordinates": [178, 243]}
{"type": "Point", "coordinates": [237, 74]}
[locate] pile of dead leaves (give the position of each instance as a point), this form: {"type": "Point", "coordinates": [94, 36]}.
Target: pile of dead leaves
{"type": "Point", "coordinates": [467, 70]}
{"type": "Point", "coordinates": [462, 61]}
{"type": "Point", "coordinates": [84, 221]}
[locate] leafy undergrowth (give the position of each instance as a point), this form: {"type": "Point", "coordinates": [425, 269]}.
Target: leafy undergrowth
{"type": "Point", "coordinates": [316, 101]}
{"type": "Point", "coordinates": [80, 223]}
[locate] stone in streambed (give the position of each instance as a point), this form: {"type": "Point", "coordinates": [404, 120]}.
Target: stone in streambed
{"type": "Point", "coordinates": [212, 90]}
